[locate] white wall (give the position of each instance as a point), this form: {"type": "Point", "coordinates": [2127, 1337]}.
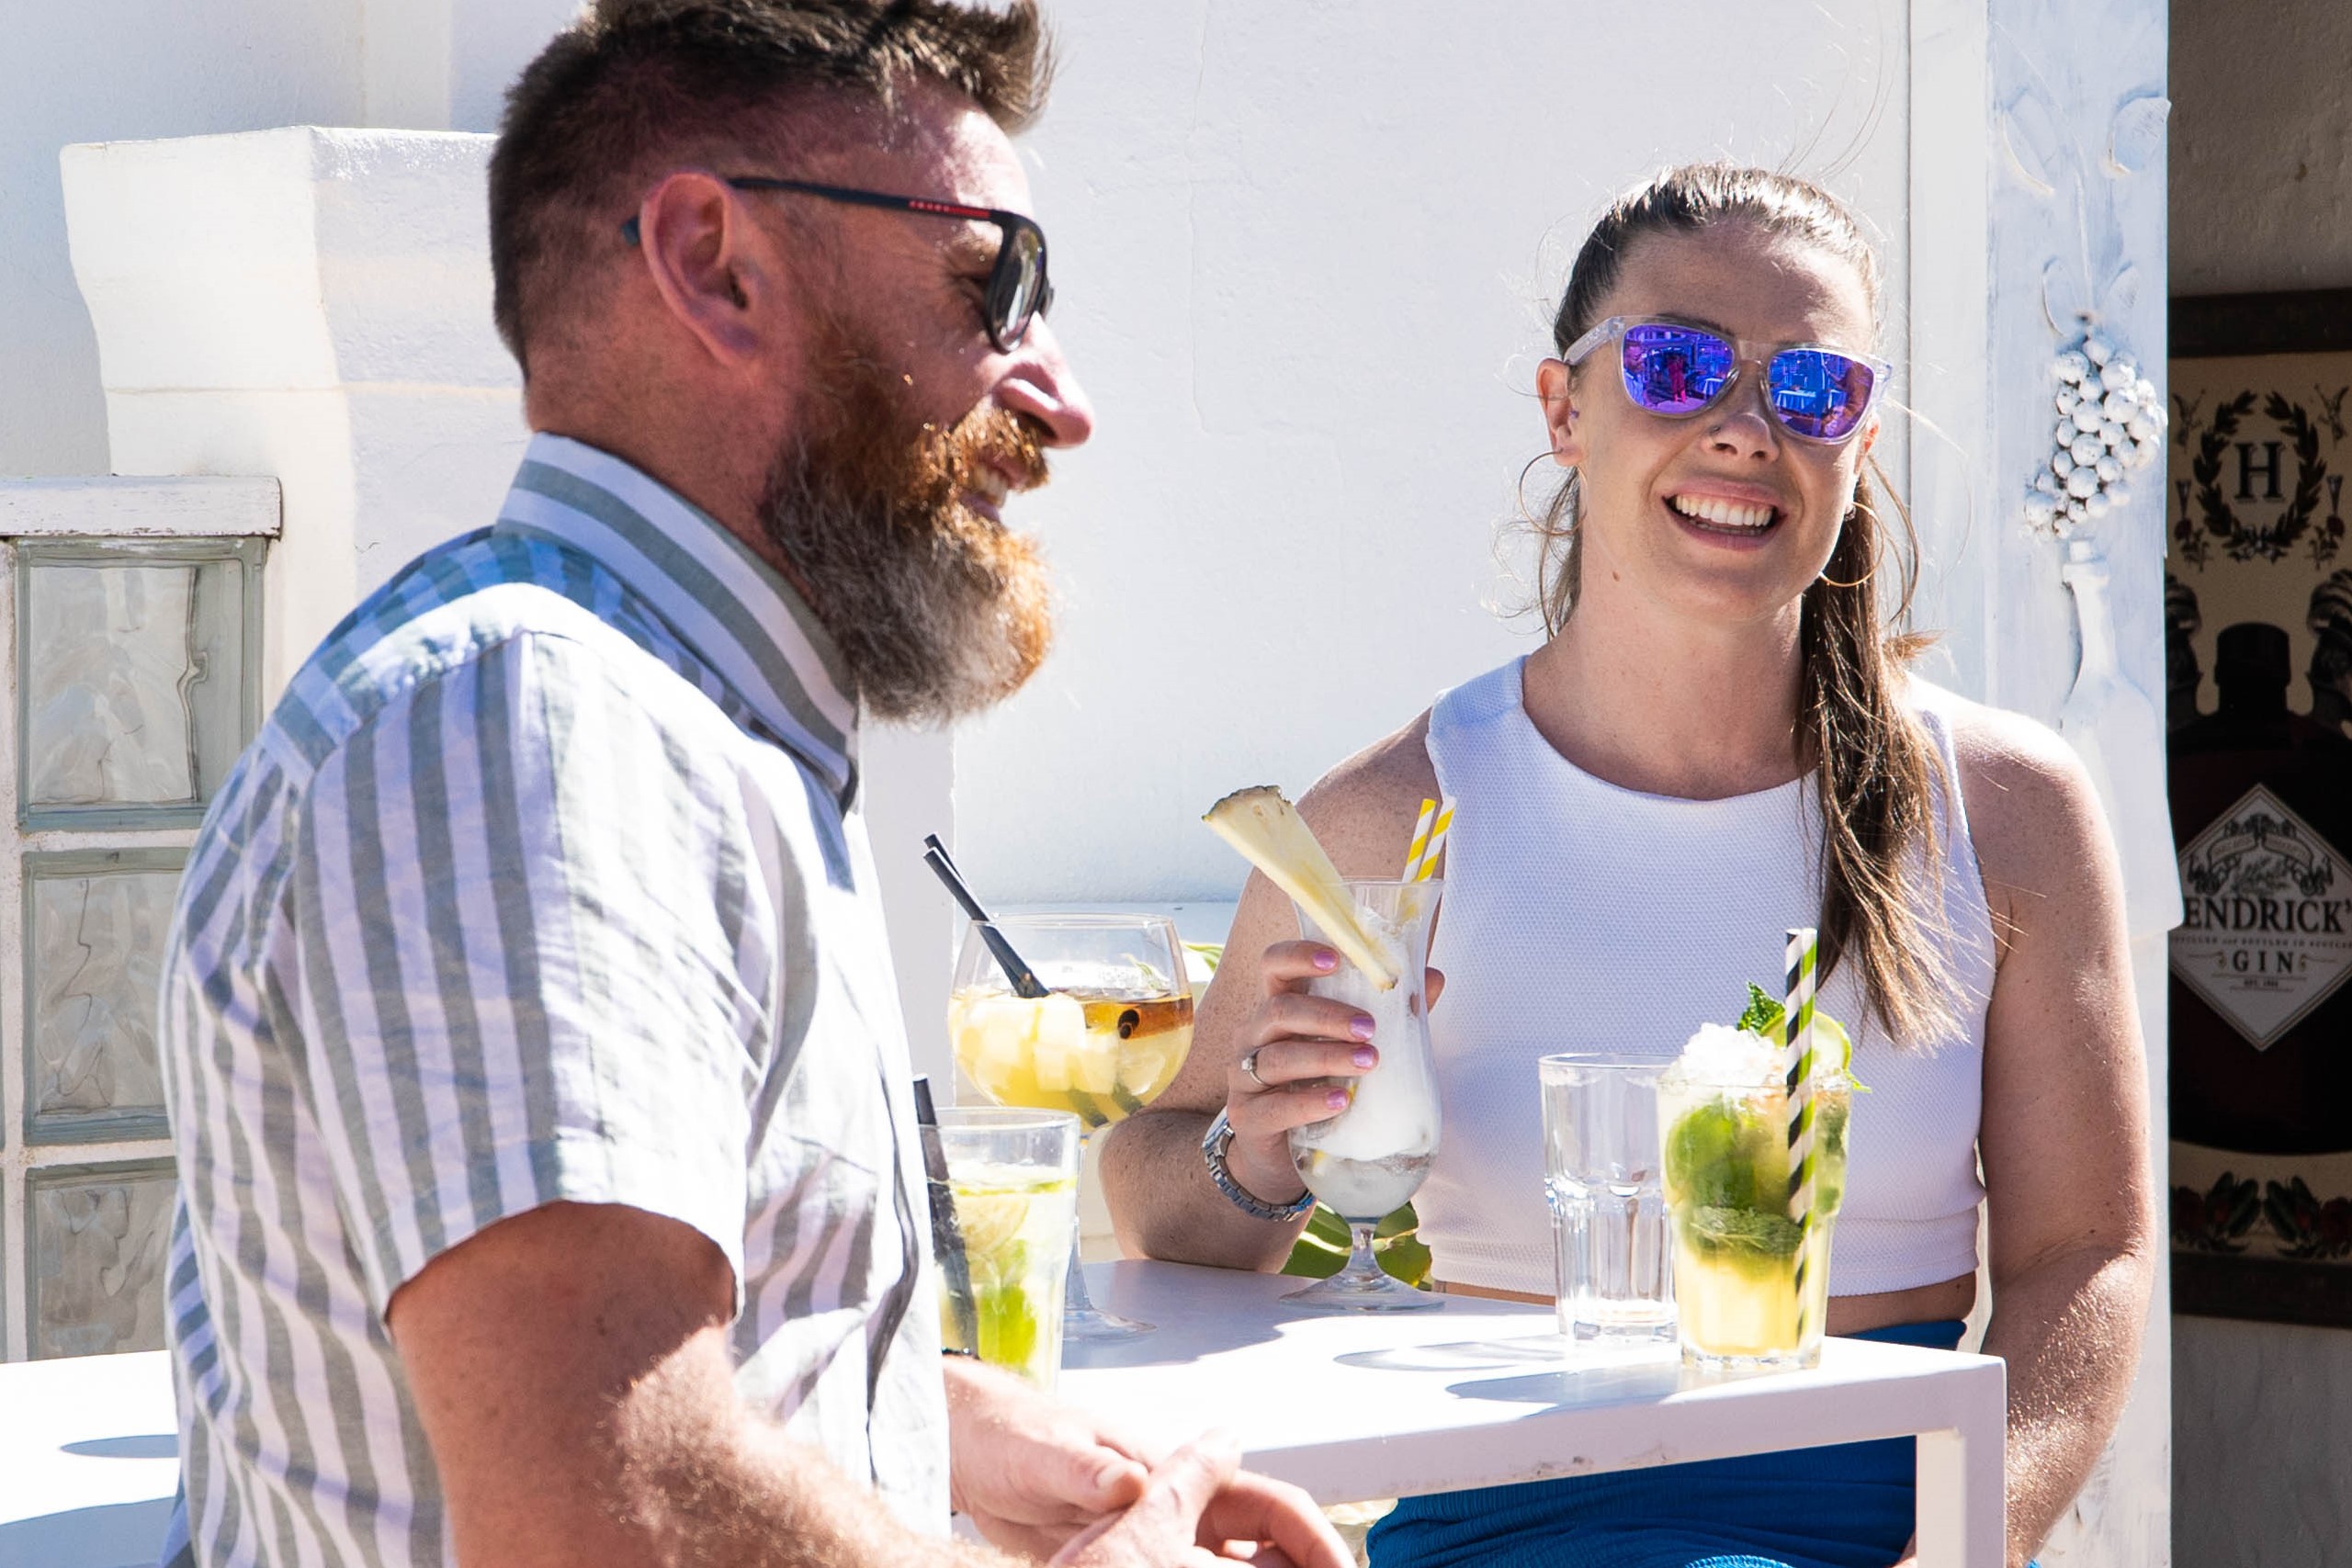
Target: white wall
{"type": "Point", "coordinates": [116, 69]}
{"type": "Point", "coordinates": [1305, 257]}
{"type": "Point", "coordinates": [122, 70]}
{"type": "Point", "coordinates": [2261, 201]}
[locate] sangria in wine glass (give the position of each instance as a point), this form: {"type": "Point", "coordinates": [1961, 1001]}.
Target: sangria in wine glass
{"type": "Point", "coordinates": [1106, 1040]}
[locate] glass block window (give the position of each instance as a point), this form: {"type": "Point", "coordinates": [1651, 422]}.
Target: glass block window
{"type": "Point", "coordinates": [99, 1233]}
{"type": "Point", "coordinates": [95, 922]}
{"type": "Point", "coordinates": [135, 661]}
{"type": "Point", "coordinates": [134, 684]}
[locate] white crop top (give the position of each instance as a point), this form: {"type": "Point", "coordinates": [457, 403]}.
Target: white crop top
{"type": "Point", "coordinates": [1582, 917]}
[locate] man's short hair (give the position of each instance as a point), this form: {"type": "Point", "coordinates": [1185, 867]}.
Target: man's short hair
{"type": "Point", "coordinates": [635, 88]}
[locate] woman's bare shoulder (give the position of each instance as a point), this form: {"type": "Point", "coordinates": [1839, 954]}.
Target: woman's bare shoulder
{"type": "Point", "coordinates": [2033, 811]}
{"type": "Point", "coordinates": [1363, 810]}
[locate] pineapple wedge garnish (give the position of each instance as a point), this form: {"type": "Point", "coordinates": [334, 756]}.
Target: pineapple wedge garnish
{"type": "Point", "coordinates": [1272, 836]}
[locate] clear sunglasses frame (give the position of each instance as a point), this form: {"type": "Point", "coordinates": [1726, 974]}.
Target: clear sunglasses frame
{"type": "Point", "coordinates": [1745, 354]}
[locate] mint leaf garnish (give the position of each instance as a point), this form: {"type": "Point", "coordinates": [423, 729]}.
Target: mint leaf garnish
{"type": "Point", "coordinates": [1763, 1015]}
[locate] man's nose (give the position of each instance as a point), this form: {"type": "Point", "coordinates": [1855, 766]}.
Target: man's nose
{"type": "Point", "coordinates": [1040, 384]}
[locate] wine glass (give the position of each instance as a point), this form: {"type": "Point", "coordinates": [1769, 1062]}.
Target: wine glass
{"type": "Point", "coordinates": [1107, 1037]}
{"type": "Point", "coordinates": [1371, 1158]}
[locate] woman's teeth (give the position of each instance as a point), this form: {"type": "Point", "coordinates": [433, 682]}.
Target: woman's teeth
{"type": "Point", "coordinates": [1725, 516]}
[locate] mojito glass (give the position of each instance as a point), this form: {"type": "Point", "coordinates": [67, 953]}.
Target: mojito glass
{"type": "Point", "coordinates": [1751, 1283]}
{"type": "Point", "coordinates": [1013, 1176]}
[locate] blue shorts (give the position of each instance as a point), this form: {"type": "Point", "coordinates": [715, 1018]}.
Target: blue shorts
{"type": "Point", "coordinates": [1848, 1507]}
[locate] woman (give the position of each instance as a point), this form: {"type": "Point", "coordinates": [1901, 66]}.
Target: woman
{"type": "Point", "coordinates": [1718, 742]}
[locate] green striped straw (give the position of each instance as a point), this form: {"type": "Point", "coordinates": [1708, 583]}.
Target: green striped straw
{"type": "Point", "coordinates": [1796, 1022]}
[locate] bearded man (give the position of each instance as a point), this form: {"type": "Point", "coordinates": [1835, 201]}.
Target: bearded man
{"type": "Point", "coordinates": [549, 1192]}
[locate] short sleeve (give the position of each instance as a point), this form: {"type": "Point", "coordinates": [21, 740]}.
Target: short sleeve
{"type": "Point", "coordinates": [524, 958]}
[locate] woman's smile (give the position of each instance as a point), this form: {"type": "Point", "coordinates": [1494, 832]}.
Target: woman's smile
{"type": "Point", "coordinates": [1724, 516]}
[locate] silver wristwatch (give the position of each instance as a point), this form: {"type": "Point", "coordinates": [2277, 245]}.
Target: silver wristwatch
{"type": "Point", "coordinates": [1214, 1142]}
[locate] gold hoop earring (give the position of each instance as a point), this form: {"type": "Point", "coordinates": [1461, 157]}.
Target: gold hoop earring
{"type": "Point", "coordinates": [1857, 582]}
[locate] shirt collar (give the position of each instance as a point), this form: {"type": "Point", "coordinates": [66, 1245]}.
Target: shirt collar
{"type": "Point", "coordinates": [733, 609]}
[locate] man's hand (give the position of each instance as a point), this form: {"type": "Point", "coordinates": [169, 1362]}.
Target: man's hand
{"type": "Point", "coordinates": [1200, 1509]}
{"type": "Point", "coordinates": [1028, 1471]}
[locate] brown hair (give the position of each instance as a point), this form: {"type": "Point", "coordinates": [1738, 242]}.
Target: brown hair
{"type": "Point", "coordinates": [637, 87]}
{"type": "Point", "coordinates": [1875, 769]}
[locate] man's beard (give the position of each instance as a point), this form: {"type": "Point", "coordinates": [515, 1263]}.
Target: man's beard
{"type": "Point", "coordinates": [938, 610]}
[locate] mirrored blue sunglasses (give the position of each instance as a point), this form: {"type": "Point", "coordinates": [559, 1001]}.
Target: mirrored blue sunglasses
{"type": "Point", "coordinates": [1675, 370]}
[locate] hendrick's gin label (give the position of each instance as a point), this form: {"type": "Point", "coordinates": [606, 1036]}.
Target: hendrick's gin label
{"type": "Point", "coordinates": [2261, 1030]}
{"type": "Point", "coordinates": [2267, 935]}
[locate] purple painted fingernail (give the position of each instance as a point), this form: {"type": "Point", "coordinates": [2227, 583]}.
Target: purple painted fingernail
{"type": "Point", "coordinates": [1361, 1026]}
{"type": "Point", "coordinates": [1325, 960]}
{"type": "Point", "coordinates": [1366, 1056]}
{"type": "Point", "coordinates": [1337, 1099]}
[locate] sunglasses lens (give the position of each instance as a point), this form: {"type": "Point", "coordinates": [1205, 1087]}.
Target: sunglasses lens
{"type": "Point", "coordinates": [1020, 291]}
{"type": "Point", "coordinates": [1818, 394]}
{"type": "Point", "coordinates": [1675, 370]}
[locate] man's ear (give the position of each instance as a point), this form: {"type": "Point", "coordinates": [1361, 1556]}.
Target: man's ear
{"type": "Point", "coordinates": [1555, 387]}
{"type": "Point", "coordinates": [696, 247]}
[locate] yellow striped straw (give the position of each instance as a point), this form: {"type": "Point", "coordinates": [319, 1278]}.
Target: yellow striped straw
{"type": "Point", "coordinates": [1418, 851]}
{"type": "Point", "coordinates": [1428, 848]}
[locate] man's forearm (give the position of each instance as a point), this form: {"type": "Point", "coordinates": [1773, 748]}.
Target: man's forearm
{"type": "Point", "coordinates": [1164, 1205]}
{"type": "Point", "coordinates": [2070, 1329]}
{"type": "Point", "coordinates": [748, 1496]}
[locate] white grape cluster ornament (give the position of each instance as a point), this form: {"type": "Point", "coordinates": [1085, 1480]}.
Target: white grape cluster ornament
{"type": "Point", "coordinates": [2110, 422]}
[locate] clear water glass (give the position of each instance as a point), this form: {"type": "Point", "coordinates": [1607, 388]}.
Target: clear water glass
{"type": "Point", "coordinates": [1612, 1255]}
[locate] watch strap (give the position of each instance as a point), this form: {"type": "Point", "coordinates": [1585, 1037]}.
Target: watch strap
{"type": "Point", "coordinates": [1213, 1146]}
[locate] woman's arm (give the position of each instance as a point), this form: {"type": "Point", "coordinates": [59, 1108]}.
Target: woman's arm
{"type": "Point", "coordinates": [2065, 1135]}
{"type": "Point", "coordinates": [1161, 1200]}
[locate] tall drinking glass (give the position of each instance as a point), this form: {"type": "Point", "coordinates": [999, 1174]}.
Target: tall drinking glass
{"type": "Point", "coordinates": [1101, 1045]}
{"type": "Point", "coordinates": [1600, 1177]}
{"type": "Point", "coordinates": [1751, 1282]}
{"type": "Point", "coordinates": [1371, 1158]}
{"type": "Point", "coordinates": [1014, 1174]}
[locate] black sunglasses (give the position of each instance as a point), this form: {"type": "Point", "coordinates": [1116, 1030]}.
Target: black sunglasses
{"type": "Point", "coordinates": [1019, 291]}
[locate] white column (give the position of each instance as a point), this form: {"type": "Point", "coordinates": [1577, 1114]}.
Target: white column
{"type": "Point", "coordinates": [2039, 195]}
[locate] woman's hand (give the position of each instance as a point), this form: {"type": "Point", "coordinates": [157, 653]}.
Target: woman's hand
{"type": "Point", "coordinates": [1299, 1049]}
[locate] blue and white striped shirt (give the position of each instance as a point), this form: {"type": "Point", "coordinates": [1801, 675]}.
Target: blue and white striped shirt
{"type": "Point", "coordinates": [545, 881]}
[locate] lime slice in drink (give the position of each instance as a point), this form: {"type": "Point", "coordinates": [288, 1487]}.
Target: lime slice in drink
{"type": "Point", "coordinates": [989, 1219]}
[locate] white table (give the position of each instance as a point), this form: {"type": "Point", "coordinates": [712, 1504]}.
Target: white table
{"type": "Point", "coordinates": [1351, 1408]}
{"type": "Point", "coordinates": [1477, 1393]}
{"type": "Point", "coordinates": [89, 1458]}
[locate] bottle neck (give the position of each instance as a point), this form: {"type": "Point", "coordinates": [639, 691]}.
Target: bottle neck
{"type": "Point", "coordinates": [2254, 699]}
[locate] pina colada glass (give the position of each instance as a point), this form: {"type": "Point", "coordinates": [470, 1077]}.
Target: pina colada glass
{"type": "Point", "coordinates": [1105, 1043]}
{"type": "Point", "coordinates": [1751, 1283]}
{"type": "Point", "coordinates": [1369, 1161]}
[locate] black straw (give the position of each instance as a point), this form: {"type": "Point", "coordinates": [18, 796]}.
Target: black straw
{"type": "Point", "coordinates": [1024, 979]}
{"type": "Point", "coordinates": [946, 1236]}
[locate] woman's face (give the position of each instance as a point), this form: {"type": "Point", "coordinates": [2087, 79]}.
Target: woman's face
{"type": "Point", "coordinates": [1721, 514]}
